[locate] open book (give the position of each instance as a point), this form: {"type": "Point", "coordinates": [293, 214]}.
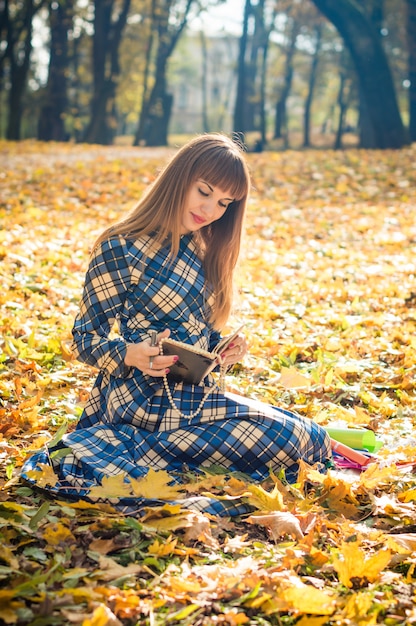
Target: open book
{"type": "Point", "coordinates": [194, 363]}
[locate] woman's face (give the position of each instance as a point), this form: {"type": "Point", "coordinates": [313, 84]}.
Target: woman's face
{"type": "Point", "coordinates": [204, 204]}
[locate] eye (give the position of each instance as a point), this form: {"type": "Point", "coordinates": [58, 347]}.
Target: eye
{"type": "Point", "coordinates": [203, 193]}
{"type": "Point", "coordinates": [222, 205]}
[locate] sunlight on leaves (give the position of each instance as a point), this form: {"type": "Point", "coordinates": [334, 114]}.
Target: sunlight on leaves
{"type": "Point", "coordinates": [43, 476]}
{"type": "Point", "coordinates": [111, 487]}
{"type": "Point", "coordinates": [326, 290]}
{"type": "Point", "coordinates": [355, 568]}
{"type": "Point", "coordinates": [307, 599]}
{"type": "Point", "coordinates": [102, 616]}
{"type": "Point", "coordinates": [279, 523]}
{"type": "Point", "coordinates": [156, 485]}
{"type": "Point", "coordinates": [265, 501]}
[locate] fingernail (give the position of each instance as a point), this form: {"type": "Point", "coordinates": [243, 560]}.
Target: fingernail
{"type": "Point", "coordinates": [167, 371]}
{"type": "Point", "coordinates": [175, 358]}
{"type": "Point", "coordinates": [231, 345]}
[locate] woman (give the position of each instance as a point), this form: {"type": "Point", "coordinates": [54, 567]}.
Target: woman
{"type": "Point", "coordinates": [168, 267]}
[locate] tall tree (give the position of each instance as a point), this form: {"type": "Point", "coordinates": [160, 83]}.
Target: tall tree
{"type": "Point", "coordinates": [17, 24]}
{"type": "Point", "coordinates": [51, 126]}
{"type": "Point", "coordinates": [346, 90]}
{"type": "Point", "coordinates": [250, 107]}
{"type": "Point", "coordinates": [204, 73]}
{"type": "Point", "coordinates": [280, 124]}
{"type": "Point", "coordinates": [411, 42]}
{"type": "Point", "coordinates": [167, 21]}
{"type": "Point", "coordinates": [311, 86]}
{"type": "Point", "coordinates": [239, 122]}
{"type": "Point", "coordinates": [264, 23]}
{"type": "Point", "coordinates": [109, 23]}
{"type": "Point", "coordinates": [375, 80]}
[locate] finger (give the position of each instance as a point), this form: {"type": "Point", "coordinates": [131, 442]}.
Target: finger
{"type": "Point", "coordinates": [160, 362]}
{"type": "Point", "coordinates": [158, 373]}
{"type": "Point", "coordinates": [164, 334]}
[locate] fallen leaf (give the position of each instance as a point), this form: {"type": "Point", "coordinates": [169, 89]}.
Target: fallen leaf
{"type": "Point", "coordinates": [355, 568]}
{"type": "Point", "coordinates": [279, 523]}
{"type": "Point", "coordinates": [156, 485]}
{"type": "Point", "coordinates": [111, 487]}
{"type": "Point", "coordinates": [291, 378]}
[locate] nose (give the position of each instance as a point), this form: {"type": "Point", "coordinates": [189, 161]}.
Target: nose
{"type": "Point", "coordinates": [208, 206]}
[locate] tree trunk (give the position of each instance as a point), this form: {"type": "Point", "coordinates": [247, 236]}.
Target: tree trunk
{"type": "Point", "coordinates": [140, 131]}
{"type": "Point", "coordinates": [263, 73]}
{"type": "Point", "coordinates": [156, 111]}
{"type": "Point", "coordinates": [155, 118]}
{"type": "Point", "coordinates": [253, 69]}
{"type": "Point", "coordinates": [342, 108]}
{"type": "Point", "coordinates": [373, 72]}
{"type": "Point", "coordinates": [51, 126]}
{"type": "Point", "coordinates": [204, 52]}
{"type": "Point", "coordinates": [411, 43]}
{"type": "Point", "coordinates": [4, 36]}
{"type": "Point", "coordinates": [19, 29]}
{"type": "Point", "coordinates": [106, 69]}
{"type": "Point", "coordinates": [311, 87]}
{"type": "Point", "coordinates": [280, 126]}
{"type": "Point", "coordinates": [239, 122]}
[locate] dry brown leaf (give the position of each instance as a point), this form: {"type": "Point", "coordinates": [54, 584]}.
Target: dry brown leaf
{"type": "Point", "coordinates": [279, 523]}
{"type": "Point", "coordinates": [199, 529]}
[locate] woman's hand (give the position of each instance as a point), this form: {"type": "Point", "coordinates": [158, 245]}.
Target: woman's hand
{"type": "Point", "coordinates": [235, 351]}
{"type": "Point", "coordinates": [139, 355]}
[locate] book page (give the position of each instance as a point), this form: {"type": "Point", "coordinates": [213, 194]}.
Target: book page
{"type": "Point", "coordinates": [225, 341]}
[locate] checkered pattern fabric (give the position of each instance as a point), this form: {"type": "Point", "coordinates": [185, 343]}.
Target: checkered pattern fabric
{"type": "Point", "coordinates": [128, 424]}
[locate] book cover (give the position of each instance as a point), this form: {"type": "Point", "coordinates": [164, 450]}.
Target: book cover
{"type": "Point", "coordinates": [193, 364]}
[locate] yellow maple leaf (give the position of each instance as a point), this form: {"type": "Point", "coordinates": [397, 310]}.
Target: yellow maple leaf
{"type": "Point", "coordinates": [339, 496]}
{"type": "Point", "coordinates": [183, 585]}
{"type": "Point", "coordinates": [361, 609]}
{"type": "Point", "coordinates": [43, 476]}
{"type": "Point", "coordinates": [291, 378]}
{"type": "Point", "coordinates": [375, 475]}
{"type": "Point", "coordinates": [102, 616]}
{"type": "Point", "coordinates": [58, 533]}
{"type": "Point", "coordinates": [265, 501]}
{"type": "Point", "coordinates": [354, 566]}
{"type": "Point", "coordinates": [308, 599]}
{"type": "Point", "coordinates": [111, 487]}
{"type": "Point", "coordinates": [156, 485]}
{"type": "Point", "coordinates": [407, 496]}
{"type": "Point", "coordinates": [311, 621]}
{"type": "Point", "coordinates": [235, 487]}
{"type": "Point", "coordinates": [307, 475]}
{"type": "Point", "coordinates": [163, 548]}
{"type": "Point", "coordinates": [169, 517]}
{"type": "Point", "coordinates": [206, 483]}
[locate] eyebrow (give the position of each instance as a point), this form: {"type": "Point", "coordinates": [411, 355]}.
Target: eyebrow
{"type": "Point", "coordinates": [212, 189]}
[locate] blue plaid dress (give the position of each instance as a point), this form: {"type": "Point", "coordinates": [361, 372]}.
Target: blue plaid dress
{"type": "Point", "coordinates": [128, 424]}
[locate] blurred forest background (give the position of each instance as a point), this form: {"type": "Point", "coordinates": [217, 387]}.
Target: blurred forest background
{"type": "Point", "coordinates": [278, 73]}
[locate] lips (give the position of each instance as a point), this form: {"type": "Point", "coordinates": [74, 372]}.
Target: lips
{"type": "Point", "coordinates": [199, 220]}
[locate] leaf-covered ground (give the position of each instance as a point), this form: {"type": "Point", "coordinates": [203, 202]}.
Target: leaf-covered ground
{"type": "Point", "coordinates": [327, 289]}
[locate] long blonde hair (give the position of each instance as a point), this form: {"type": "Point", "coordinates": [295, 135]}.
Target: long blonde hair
{"type": "Point", "coordinates": [218, 160]}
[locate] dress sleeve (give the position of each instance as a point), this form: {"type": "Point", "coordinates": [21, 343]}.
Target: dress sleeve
{"type": "Point", "coordinates": [106, 283]}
